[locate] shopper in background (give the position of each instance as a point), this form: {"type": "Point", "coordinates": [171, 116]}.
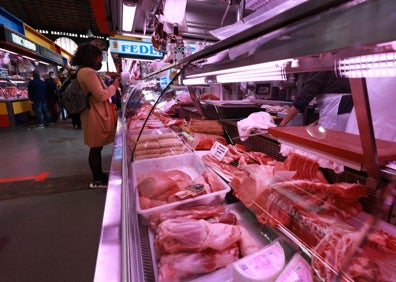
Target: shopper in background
{"type": "Point", "coordinates": [76, 119]}
{"type": "Point", "coordinates": [333, 97]}
{"type": "Point", "coordinates": [37, 92]}
{"type": "Point", "coordinates": [62, 74]}
{"type": "Point", "coordinates": [52, 97]}
{"type": "Point", "coordinates": [99, 121]}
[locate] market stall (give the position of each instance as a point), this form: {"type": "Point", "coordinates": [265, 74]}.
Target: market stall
{"type": "Point", "coordinates": [318, 210]}
{"type": "Point", "coordinates": [19, 56]}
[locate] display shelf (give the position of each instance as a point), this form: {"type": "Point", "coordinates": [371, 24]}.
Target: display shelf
{"type": "Point", "coordinates": [311, 24]}
{"type": "Point", "coordinates": [339, 145]}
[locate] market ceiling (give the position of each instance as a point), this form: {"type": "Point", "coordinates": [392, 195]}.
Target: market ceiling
{"type": "Point", "coordinates": [102, 17]}
{"type": "Point", "coordinates": [75, 16]}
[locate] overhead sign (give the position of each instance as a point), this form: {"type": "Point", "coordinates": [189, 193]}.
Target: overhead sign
{"type": "Point", "coordinates": [51, 55]}
{"type": "Point", "coordinates": [20, 41]}
{"type": "Point", "coordinates": [131, 48]}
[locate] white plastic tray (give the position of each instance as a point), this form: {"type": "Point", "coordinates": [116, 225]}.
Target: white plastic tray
{"type": "Point", "coordinates": [189, 163]}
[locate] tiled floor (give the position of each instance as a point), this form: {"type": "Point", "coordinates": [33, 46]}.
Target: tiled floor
{"type": "Point", "coordinates": [50, 220]}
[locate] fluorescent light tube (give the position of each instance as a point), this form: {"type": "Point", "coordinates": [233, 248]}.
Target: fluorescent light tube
{"type": "Point", "coordinates": [250, 76]}
{"type": "Point", "coordinates": [29, 58]}
{"type": "Point", "coordinates": [7, 51]}
{"type": "Point", "coordinates": [194, 81]}
{"type": "Point", "coordinates": [44, 63]}
{"type": "Point", "coordinates": [271, 66]}
{"type": "Point", "coordinates": [373, 65]}
{"type": "Point", "coordinates": [128, 16]}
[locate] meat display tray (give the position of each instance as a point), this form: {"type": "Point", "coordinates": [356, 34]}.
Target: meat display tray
{"type": "Point", "coordinates": [249, 222]}
{"type": "Point", "coordinates": [189, 163]}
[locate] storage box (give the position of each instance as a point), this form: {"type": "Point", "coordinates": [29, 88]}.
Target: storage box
{"type": "Point", "coordinates": [189, 163]}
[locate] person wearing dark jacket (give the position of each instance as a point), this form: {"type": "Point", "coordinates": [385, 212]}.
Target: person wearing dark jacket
{"type": "Point", "coordinates": [37, 92]}
{"type": "Point", "coordinates": [333, 96]}
{"type": "Point", "coordinates": [52, 97]}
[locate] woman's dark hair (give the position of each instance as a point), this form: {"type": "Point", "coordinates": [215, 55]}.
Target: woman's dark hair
{"type": "Point", "coordinates": [86, 56]}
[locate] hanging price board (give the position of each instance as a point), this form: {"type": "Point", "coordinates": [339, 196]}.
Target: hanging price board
{"type": "Point", "coordinates": [218, 151]}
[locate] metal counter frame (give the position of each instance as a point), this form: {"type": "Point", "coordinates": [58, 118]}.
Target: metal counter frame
{"type": "Point", "coordinates": [108, 262]}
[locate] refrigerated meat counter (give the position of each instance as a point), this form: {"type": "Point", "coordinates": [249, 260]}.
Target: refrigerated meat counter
{"type": "Point", "coordinates": [131, 251]}
{"type": "Point", "coordinates": [126, 248]}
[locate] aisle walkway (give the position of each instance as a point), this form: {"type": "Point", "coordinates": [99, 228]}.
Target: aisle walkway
{"type": "Point", "coordinates": [50, 220]}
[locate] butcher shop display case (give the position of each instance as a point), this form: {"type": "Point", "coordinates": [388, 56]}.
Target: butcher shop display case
{"type": "Point", "coordinates": [15, 105]}
{"type": "Point", "coordinates": [196, 200]}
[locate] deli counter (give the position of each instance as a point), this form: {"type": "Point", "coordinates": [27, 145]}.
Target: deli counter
{"type": "Point", "coordinates": [183, 192]}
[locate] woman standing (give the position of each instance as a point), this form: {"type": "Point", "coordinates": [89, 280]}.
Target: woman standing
{"type": "Point", "coordinates": [98, 121]}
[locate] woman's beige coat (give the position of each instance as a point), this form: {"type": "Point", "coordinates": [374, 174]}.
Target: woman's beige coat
{"type": "Point", "coordinates": [98, 122]}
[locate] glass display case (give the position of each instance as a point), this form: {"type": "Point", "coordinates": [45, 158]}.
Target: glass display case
{"type": "Point", "coordinates": [15, 105]}
{"type": "Point", "coordinates": [198, 201]}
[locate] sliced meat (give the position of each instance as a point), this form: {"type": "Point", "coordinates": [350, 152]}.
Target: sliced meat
{"type": "Point", "coordinates": [157, 186]}
{"type": "Point", "coordinates": [186, 235]}
{"type": "Point", "coordinates": [175, 267]}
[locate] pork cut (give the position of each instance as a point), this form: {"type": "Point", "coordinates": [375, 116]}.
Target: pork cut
{"type": "Point", "coordinates": [175, 267]}
{"type": "Point", "coordinates": [373, 261]}
{"type": "Point", "coordinates": [198, 212]}
{"type": "Point", "coordinates": [186, 235]}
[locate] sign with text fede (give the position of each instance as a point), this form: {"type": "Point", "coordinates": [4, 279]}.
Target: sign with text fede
{"type": "Point", "coordinates": [131, 48]}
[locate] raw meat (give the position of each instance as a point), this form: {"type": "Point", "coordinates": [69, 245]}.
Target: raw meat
{"type": "Point", "coordinates": [175, 267]}
{"type": "Point", "coordinates": [247, 187]}
{"type": "Point", "coordinates": [247, 244]}
{"type": "Point", "coordinates": [160, 187]}
{"type": "Point", "coordinates": [226, 169]}
{"type": "Point", "coordinates": [308, 209]}
{"type": "Point", "coordinates": [199, 212]}
{"type": "Point", "coordinates": [306, 168]}
{"type": "Point", "coordinates": [157, 186]}
{"type": "Point", "coordinates": [146, 203]}
{"type": "Point", "coordinates": [212, 214]}
{"type": "Point", "coordinates": [186, 235]}
{"type": "Point", "coordinates": [343, 193]}
{"type": "Point", "coordinates": [208, 235]}
{"type": "Point", "coordinates": [213, 180]}
{"type": "Point", "coordinates": [204, 141]}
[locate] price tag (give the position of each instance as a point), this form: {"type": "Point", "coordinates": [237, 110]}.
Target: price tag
{"type": "Point", "coordinates": [218, 151]}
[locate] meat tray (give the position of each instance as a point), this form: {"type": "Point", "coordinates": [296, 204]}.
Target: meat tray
{"type": "Point", "coordinates": [255, 230]}
{"type": "Point", "coordinates": [189, 163]}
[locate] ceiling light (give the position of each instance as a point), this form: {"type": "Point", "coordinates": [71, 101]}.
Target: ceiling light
{"type": "Point", "coordinates": [269, 71]}
{"type": "Point", "coordinates": [44, 63]}
{"type": "Point", "coordinates": [7, 51]}
{"type": "Point", "coordinates": [373, 65]}
{"type": "Point", "coordinates": [275, 75]}
{"type": "Point", "coordinates": [29, 58]}
{"type": "Point", "coordinates": [128, 16]}
{"type": "Point", "coordinates": [194, 81]}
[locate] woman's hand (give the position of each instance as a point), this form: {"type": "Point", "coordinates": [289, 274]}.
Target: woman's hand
{"type": "Point", "coordinates": [116, 82]}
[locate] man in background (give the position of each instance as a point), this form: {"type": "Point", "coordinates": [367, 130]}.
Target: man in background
{"type": "Point", "coordinates": [52, 97]}
{"type": "Point", "coordinates": [37, 92]}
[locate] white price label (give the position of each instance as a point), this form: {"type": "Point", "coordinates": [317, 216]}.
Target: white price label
{"type": "Point", "coordinates": [218, 151]}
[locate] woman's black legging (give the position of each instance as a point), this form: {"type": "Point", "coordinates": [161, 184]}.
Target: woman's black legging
{"type": "Point", "coordinates": [95, 162]}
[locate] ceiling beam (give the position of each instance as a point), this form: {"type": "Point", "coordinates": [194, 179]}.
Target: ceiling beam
{"type": "Point", "coordinates": [102, 19]}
